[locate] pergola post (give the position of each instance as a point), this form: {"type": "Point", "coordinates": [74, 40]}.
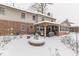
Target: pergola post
{"type": "Point", "coordinates": [44, 31]}
{"type": "Point", "coordinates": [50, 28]}
{"type": "Point", "coordinates": [59, 28]}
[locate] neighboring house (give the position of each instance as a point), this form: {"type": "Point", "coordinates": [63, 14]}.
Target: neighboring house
{"type": "Point", "coordinates": [17, 21]}
{"type": "Point", "coordinates": [65, 27]}
{"type": "Point", "coordinates": [66, 23]}
{"type": "Point", "coordinates": [74, 27]}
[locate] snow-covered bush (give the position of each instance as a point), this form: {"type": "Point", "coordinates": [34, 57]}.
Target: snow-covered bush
{"type": "Point", "coordinates": [14, 37]}
{"type": "Point", "coordinates": [63, 41]}
{"type": "Point", "coordinates": [75, 46]}
{"type": "Point", "coordinates": [36, 36]}
{"type": "Point", "coordinates": [72, 45]}
{"type": "Point", "coordinates": [67, 40]}
{"type": "Point", "coordinates": [57, 53]}
{"type": "Point", "coordinates": [6, 40]}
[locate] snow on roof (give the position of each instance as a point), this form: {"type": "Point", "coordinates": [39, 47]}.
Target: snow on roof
{"type": "Point", "coordinates": [30, 11]}
{"type": "Point", "coordinates": [74, 25]}
{"type": "Point", "coordinates": [49, 22]}
{"type": "Point", "coordinates": [46, 22]}
{"type": "Point", "coordinates": [60, 21]}
{"type": "Point", "coordinates": [45, 15]}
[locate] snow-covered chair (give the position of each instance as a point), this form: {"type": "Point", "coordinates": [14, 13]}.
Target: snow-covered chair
{"type": "Point", "coordinates": [28, 36]}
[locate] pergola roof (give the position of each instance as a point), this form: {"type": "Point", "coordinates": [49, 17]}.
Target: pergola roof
{"type": "Point", "coordinates": [49, 23]}
{"type": "Point", "coordinates": [46, 22]}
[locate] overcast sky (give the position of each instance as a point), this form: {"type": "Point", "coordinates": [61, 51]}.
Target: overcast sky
{"type": "Point", "coordinates": [61, 11]}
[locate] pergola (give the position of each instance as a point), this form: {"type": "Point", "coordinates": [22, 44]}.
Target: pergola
{"type": "Point", "coordinates": [47, 24]}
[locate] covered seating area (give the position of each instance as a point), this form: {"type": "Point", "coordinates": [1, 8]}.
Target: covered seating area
{"type": "Point", "coordinates": [47, 28]}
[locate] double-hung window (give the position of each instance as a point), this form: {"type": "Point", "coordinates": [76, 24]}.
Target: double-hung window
{"type": "Point", "coordinates": [23, 15]}
{"type": "Point", "coordinates": [2, 10]}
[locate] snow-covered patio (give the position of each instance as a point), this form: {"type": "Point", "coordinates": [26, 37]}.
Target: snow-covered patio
{"type": "Point", "coordinates": [20, 47]}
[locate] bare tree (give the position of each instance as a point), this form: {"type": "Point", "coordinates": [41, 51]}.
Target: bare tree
{"type": "Point", "coordinates": [40, 7]}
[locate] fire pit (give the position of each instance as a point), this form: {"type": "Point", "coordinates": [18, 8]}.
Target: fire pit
{"type": "Point", "coordinates": [36, 41]}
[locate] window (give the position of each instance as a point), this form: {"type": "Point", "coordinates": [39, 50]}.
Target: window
{"type": "Point", "coordinates": [2, 10]}
{"type": "Point", "coordinates": [23, 27]}
{"type": "Point", "coordinates": [37, 28]}
{"type": "Point", "coordinates": [31, 26]}
{"type": "Point", "coordinates": [23, 15]}
{"type": "Point", "coordinates": [52, 20]}
{"type": "Point", "coordinates": [64, 28]}
{"type": "Point", "coordinates": [42, 18]}
{"type": "Point", "coordinates": [33, 17]}
{"type": "Point", "coordinates": [61, 28]}
{"type": "Point", "coordinates": [41, 28]}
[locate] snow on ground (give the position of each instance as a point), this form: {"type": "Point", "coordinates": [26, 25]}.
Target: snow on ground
{"type": "Point", "coordinates": [73, 35]}
{"type": "Point", "coordinates": [21, 47]}
{"type": "Point", "coordinates": [62, 49]}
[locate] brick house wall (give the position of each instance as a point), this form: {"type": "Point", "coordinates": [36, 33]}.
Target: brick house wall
{"type": "Point", "coordinates": [74, 29]}
{"type": "Point", "coordinates": [12, 27]}
{"type": "Point", "coordinates": [62, 33]}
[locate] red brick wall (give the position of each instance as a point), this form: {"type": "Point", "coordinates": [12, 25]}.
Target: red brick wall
{"type": "Point", "coordinates": [62, 33]}
{"type": "Point", "coordinates": [5, 27]}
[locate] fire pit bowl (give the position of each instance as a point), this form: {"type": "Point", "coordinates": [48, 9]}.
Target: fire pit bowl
{"type": "Point", "coordinates": [39, 42]}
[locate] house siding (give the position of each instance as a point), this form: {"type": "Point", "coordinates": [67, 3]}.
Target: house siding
{"type": "Point", "coordinates": [15, 15]}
